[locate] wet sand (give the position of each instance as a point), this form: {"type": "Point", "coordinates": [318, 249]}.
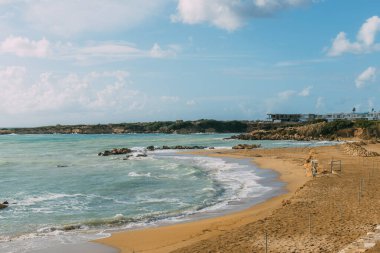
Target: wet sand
{"type": "Point", "coordinates": [89, 247]}
{"type": "Point", "coordinates": [323, 214]}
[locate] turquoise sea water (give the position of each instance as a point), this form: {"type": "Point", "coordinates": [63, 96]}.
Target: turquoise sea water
{"type": "Point", "coordinates": [61, 192]}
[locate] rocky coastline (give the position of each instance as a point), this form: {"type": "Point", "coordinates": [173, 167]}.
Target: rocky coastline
{"type": "Point", "coordinates": [127, 151]}
{"type": "Point", "coordinates": [321, 131]}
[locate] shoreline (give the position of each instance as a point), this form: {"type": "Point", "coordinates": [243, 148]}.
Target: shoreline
{"type": "Point", "coordinates": [171, 237]}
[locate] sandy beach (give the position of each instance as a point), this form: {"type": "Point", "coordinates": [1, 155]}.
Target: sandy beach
{"type": "Point", "coordinates": [316, 215]}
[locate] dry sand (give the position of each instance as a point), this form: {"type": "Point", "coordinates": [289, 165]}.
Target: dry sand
{"type": "Point", "coordinates": [316, 215]}
{"type": "Point", "coordinates": [375, 249]}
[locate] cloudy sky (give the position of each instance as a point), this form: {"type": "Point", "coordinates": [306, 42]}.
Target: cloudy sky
{"type": "Point", "coordinates": [103, 61]}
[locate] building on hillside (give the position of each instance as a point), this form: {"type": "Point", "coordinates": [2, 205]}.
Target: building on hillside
{"type": "Point", "coordinates": [328, 117]}
{"type": "Point", "coordinates": [284, 117]}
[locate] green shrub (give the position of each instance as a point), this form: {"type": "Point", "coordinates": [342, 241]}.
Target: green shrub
{"type": "Point", "coordinates": [364, 123]}
{"type": "Point", "coordinates": [331, 128]}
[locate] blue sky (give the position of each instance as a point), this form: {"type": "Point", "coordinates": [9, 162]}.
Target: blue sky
{"type": "Point", "coordinates": [110, 61]}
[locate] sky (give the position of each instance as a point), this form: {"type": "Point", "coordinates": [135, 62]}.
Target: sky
{"type": "Point", "coordinates": [113, 61]}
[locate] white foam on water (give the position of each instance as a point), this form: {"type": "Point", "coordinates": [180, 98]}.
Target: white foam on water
{"type": "Point", "coordinates": [38, 241]}
{"type": "Point", "coordinates": [239, 181]}
{"type": "Point", "coordinates": [43, 198]}
{"type": "Point", "coordinates": [135, 174]}
{"type": "Point", "coordinates": [223, 147]}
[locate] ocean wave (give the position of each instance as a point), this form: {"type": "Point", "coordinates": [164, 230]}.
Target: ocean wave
{"type": "Point", "coordinates": [135, 174]}
{"type": "Point", "coordinates": [29, 201]}
{"type": "Point", "coordinates": [239, 180]}
{"type": "Point", "coordinates": [223, 147]}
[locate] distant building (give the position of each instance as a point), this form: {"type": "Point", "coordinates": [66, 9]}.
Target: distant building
{"type": "Point", "coordinates": [329, 117]}
{"type": "Point", "coordinates": [285, 117]}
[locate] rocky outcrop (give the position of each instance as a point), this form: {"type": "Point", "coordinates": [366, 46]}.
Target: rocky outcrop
{"type": "Point", "coordinates": [115, 151]}
{"type": "Point", "coordinates": [246, 146]}
{"type": "Point", "coordinates": [152, 148]}
{"type": "Point", "coordinates": [274, 135]}
{"type": "Point", "coordinates": [2, 206]}
{"type": "Point", "coordinates": [5, 131]}
{"type": "Point", "coordinates": [123, 151]}
{"type": "Point", "coordinates": [357, 149]}
{"type": "Point", "coordinates": [317, 131]}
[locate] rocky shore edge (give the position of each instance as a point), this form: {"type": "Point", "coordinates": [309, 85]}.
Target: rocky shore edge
{"type": "Point", "coordinates": [126, 151]}
{"type": "Point", "coordinates": [123, 151]}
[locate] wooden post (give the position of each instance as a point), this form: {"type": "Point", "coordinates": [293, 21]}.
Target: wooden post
{"type": "Point", "coordinates": [266, 242]}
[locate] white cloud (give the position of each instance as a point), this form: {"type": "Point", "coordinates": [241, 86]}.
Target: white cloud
{"type": "Point", "coordinates": [369, 30]}
{"type": "Point", "coordinates": [24, 47]}
{"type": "Point", "coordinates": [92, 92]}
{"type": "Point", "coordinates": [120, 50]}
{"type": "Point", "coordinates": [229, 14]}
{"type": "Point", "coordinates": [305, 92]}
{"type": "Point", "coordinates": [157, 52]}
{"type": "Point", "coordinates": [368, 75]}
{"type": "Point", "coordinates": [285, 95]}
{"type": "Point", "coordinates": [71, 17]}
{"type": "Point", "coordinates": [111, 51]}
{"type": "Point", "coordinates": [320, 103]}
{"type": "Point", "coordinates": [365, 42]}
{"type": "Point", "coordinates": [274, 102]}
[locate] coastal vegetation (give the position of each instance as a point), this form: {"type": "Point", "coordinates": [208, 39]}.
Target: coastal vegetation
{"type": "Point", "coordinates": [167, 127]}
{"type": "Point", "coordinates": [320, 130]}
{"type": "Point", "coordinates": [179, 126]}
{"type": "Point", "coordinates": [249, 130]}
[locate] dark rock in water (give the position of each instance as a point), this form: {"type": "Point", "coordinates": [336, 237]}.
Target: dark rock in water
{"type": "Point", "coordinates": [127, 157]}
{"type": "Point", "coordinates": [71, 227]}
{"type": "Point", "coordinates": [121, 151]}
{"type": "Point", "coordinates": [115, 151]}
{"type": "Point", "coordinates": [184, 147]}
{"type": "Point", "coordinates": [150, 148]}
{"type": "Point", "coordinates": [62, 166]}
{"type": "Point", "coordinates": [246, 146]}
{"type": "Point", "coordinates": [2, 206]}
{"type": "Point", "coordinates": [105, 153]}
{"type": "Point", "coordinates": [5, 203]}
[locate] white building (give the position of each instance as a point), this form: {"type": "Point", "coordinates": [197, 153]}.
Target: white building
{"type": "Point", "coordinates": [329, 117]}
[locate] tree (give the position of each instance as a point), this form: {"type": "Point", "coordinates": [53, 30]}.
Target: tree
{"type": "Point", "coordinates": [353, 110]}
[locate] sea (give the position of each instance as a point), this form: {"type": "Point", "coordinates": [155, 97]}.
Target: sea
{"type": "Point", "coordinates": [61, 192]}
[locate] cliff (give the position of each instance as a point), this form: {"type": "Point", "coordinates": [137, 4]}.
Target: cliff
{"type": "Point", "coordinates": [318, 131]}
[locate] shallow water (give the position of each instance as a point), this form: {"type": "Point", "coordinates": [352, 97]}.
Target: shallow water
{"type": "Point", "coordinates": [58, 187]}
